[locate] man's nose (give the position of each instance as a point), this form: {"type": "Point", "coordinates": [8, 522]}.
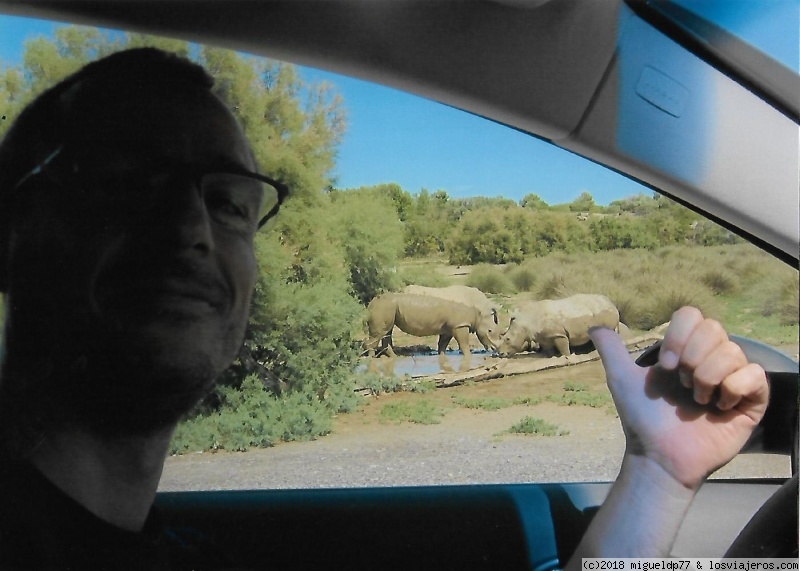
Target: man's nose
{"type": "Point", "coordinates": [187, 218]}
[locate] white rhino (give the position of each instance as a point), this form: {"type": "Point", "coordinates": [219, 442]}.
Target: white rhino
{"type": "Point", "coordinates": [550, 325]}
{"type": "Point", "coordinates": [423, 315]}
{"type": "Point", "coordinates": [461, 294]}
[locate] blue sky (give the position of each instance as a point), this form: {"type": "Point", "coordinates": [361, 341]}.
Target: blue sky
{"type": "Point", "coordinates": [417, 143]}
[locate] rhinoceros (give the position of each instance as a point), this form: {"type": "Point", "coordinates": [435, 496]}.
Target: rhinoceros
{"type": "Point", "coordinates": [461, 294]}
{"type": "Point", "coordinates": [551, 325]}
{"type": "Point", "coordinates": [423, 315]}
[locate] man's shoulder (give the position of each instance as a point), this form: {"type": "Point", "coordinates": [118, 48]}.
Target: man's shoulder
{"type": "Point", "coordinates": [42, 527]}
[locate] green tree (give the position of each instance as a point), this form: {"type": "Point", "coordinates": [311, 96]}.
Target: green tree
{"type": "Point", "coordinates": [428, 223]}
{"type": "Point", "coordinates": [366, 225]}
{"type": "Point", "coordinates": [488, 235]}
{"type": "Point", "coordinates": [584, 203]}
{"type": "Point", "coordinates": [640, 205]}
{"type": "Point", "coordinates": [534, 202]}
{"type": "Point", "coordinates": [616, 232]}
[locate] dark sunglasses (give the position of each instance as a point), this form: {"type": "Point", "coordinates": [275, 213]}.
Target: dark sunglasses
{"type": "Point", "coordinates": [230, 192]}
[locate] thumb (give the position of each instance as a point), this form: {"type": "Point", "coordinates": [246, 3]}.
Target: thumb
{"type": "Point", "coordinates": [614, 354]}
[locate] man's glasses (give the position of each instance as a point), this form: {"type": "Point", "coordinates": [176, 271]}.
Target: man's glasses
{"type": "Point", "coordinates": [233, 195]}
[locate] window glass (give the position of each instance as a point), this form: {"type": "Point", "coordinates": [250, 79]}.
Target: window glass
{"type": "Point", "coordinates": [771, 26]}
{"type": "Point", "coordinates": [391, 190]}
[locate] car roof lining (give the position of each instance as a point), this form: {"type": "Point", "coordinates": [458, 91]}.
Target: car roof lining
{"type": "Point", "coordinates": [562, 46]}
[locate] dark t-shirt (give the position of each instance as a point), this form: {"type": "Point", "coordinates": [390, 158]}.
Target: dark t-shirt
{"type": "Point", "coordinates": [43, 528]}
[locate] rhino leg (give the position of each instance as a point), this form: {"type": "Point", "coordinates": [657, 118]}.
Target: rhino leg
{"type": "Point", "coordinates": [386, 346]}
{"type": "Point", "coordinates": [462, 338]}
{"type": "Point", "coordinates": [378, 345]}
{"type": "Point", "coordinates": [562, 344]}
{"type": "Point", "coordinates": [444, 340]}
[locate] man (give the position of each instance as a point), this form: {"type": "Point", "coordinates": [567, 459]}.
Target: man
{"type": "Point", "coordinates": [128, 208]}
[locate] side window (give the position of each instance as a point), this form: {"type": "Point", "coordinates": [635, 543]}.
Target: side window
{"type": "Point", "coordinates": [427, 200]}
{"type": "Point", "coordinates": [339, 382]}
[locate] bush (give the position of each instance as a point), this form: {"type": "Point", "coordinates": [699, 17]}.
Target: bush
{"type": "Point", "coordinates": [531, 425]}
{"type": "Point", "coordinates": [420, 275]}
{"type": "Point", "coordinates": [523, 278]}
{"type": "Point", "coordinates": [489, 280]}
{"type": "Point", "coordinates": [418, 412]}
{"type": "Point", "coordinates": [370, 234]}
{"type": "Point", "coordinates": [553, 287]}
{"type": "Point", "coordinates": [785, 300]}
{"type": "Point", "coordinates": [720, 281]}
{"type": "Point", "coordinates": [251, 417]}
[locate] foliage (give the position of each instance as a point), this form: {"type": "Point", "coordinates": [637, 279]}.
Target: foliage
{"type": "Point", "coordinates": [584, 203]}
{"type": "Point", "coordinates": [419, 275]}
{"type": "Point", "coordinates": [251, 416]}
{"type": "Point", "coordinates": [418, 412]}
{"type": "Point", "coordinates": [306, 328]}
{"type": "Point", "coordinates": [533, 201]}
{"type": "Point", "coordinates": [580, 395]}
{"type": "Point", "coordinates": [378, 384]}
{"type": "Point", "coordinates": [492, 235]}
{"type": "Point", "coordinates": [491, 403]}
{"type": "Point", "coordinates": [614, 233]}
{"type": "Point", "coordinates": [522, 277]}
{"type": "Point", "coordinates": [536, 426]}
{"type": "Point", "coordinates": [366, 225]}
{"type": "Point", "coordinates": [427, 222]}
{"type": "Point", "coordinates": [489, 280]}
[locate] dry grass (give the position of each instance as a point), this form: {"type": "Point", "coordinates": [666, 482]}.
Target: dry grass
{"type": "Point", "coordinates": [648, 286]}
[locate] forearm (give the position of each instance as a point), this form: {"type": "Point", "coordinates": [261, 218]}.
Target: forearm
{"type": "Point", "coordinates": [640, 517]}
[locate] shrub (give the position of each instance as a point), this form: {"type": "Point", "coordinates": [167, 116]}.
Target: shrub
{"type": "Point", "coordinates": [366, 225]}
{"type": "Point", "coordinates": [523, 278]}
{"type": "Point", "coordinates": [531, 425]}
{"type": "Point", "coordinates": [489, 280]}
{"type": "Point", "coordinates": [421, 275]}
{"type": "Point", "coordinates": [553, 287]}
{"type": "Point", "coordinates": [378, 384]}
{"type": "Point", "coordinates": [675, 294]}
{"type": "Point", "coordinates": [419, 412]}
{"type": "Point", "coordinates": [491, 403]}
{"type": "Point", "coordinates": [582, 397]}
{"type": "Point", "coordinates": [784, 300]}
{"type": "Point", "coordinates": [720, 281]}
{"type": "Point", "coordinates": [250, 417]}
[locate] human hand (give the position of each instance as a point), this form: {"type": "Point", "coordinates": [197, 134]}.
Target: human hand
{"type": "Point", "coordinates": [693, 411]}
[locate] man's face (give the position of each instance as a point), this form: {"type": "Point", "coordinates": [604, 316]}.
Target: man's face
{"type": "Point", "coordinates": [142, 297]}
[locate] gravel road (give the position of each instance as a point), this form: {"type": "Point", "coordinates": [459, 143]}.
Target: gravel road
{"type": "Point", "coordinates": [463, 448]}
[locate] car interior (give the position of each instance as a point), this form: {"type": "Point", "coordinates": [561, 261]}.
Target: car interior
{"type": "Point", "coordinates": [647, 88]}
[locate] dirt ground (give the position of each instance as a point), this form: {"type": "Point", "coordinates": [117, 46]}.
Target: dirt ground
{"type": "Point", "coordinates": [466, 446]}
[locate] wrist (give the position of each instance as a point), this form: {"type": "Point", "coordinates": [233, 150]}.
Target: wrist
{"type": "Point", "coordinates": [648, 477]}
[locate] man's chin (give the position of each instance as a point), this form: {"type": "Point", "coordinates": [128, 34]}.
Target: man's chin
{"type": "Point", "coordinates": [139, 391]}
{"type": "Point", "coordinates": [140, 412]}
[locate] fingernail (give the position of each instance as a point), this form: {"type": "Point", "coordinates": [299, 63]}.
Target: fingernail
{"type": "Point", "coordinates": [668, 360]}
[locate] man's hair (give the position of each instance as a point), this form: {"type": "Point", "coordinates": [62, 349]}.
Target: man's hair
{"type": "Point", "coordinates": [60, 114]}
{"type": "Point", "coordinates": [47, 120]}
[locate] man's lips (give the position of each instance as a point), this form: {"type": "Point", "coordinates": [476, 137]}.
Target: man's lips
{"type": "Point", "coordinates": [183, 289]}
